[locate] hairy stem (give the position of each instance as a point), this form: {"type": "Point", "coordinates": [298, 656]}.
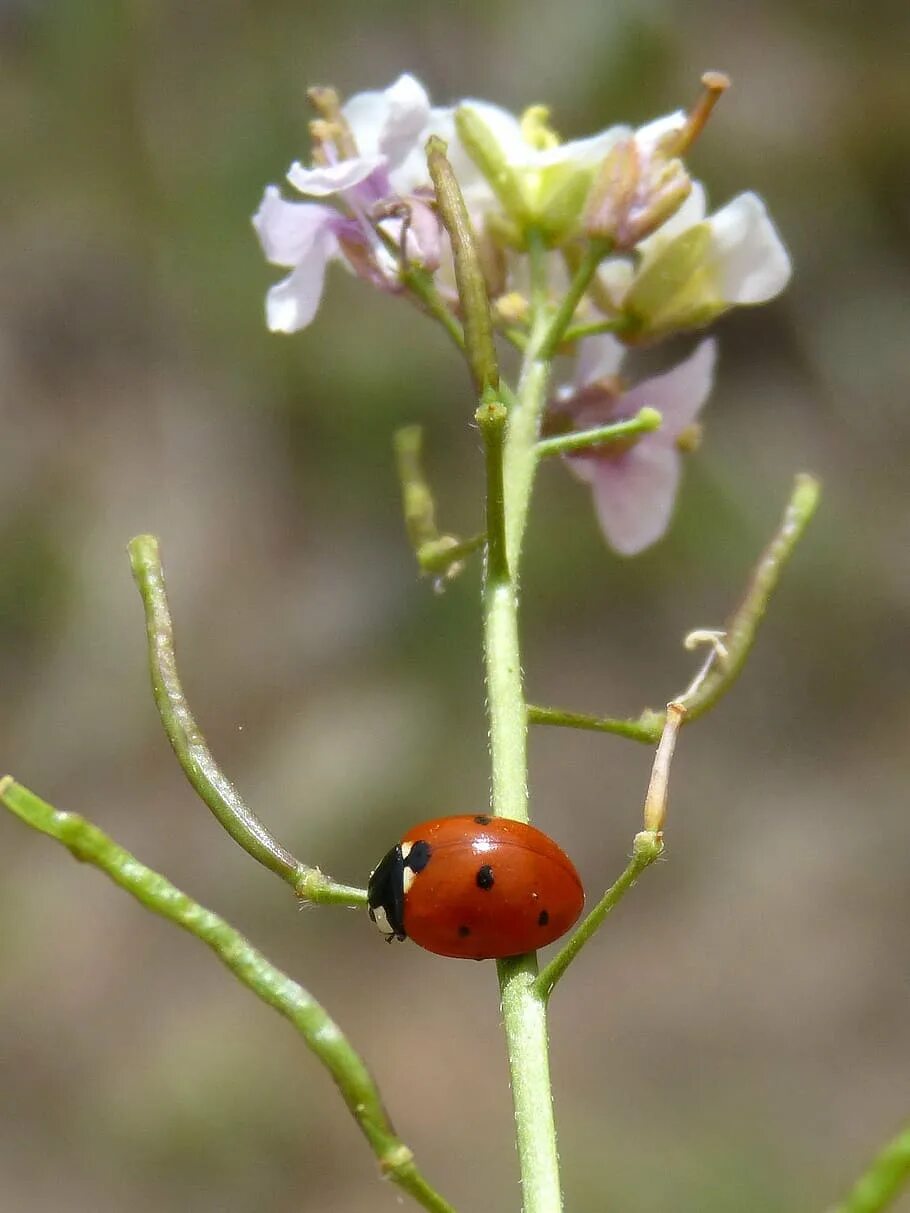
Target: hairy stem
{"type": "Point", "coordinates": [193, 753]}
{"type": "Point", "coordinates": [319, 1031]}
{"type": "Point", "coordinates": [523, 1008]}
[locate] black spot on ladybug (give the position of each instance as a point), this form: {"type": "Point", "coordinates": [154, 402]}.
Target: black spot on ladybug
{"type": "Point", "coordinates": [464, 932]}
{"type": "Point", "coordinates": [543, 918]}
{"type": "Point", "coordinates": [483, 819]}
{"type": "Point", "coordinates": [418, 856]}
{"type": "Point", "coordinates": [485, 877]}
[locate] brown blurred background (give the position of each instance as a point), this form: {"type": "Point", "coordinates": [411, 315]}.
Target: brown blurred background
{"type": "Point", "coordinates": [739, 1037]}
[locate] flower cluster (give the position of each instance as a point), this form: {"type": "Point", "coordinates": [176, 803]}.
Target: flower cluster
{"type": "Point", "coordinates": [664, 264]}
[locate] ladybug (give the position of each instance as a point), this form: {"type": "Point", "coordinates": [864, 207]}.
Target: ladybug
{"type": "Point", "coordinates": [476, 887]}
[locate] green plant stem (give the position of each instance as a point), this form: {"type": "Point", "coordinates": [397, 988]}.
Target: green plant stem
{"type": "Point", "coordinates": [645, 728]}
{"type": "Point", "coordinates": [421, 286]}
{"type": "Point", "coordinates": [740, 630]}
{"type": "Point", "coordinates": [194, 755]}
{"type": "Point", "coordinates": [883, 1181]}
{"type": "Point", "coordinates": [742, 626]}
{"type": "Point", "coordinates": [319, 1031]}
{"type": "Point", "coordinates": [594, 254]}
{"type": "Point", "coordinates": [578, 331]}
{"type": "Point", "coordinates": [646, 849]}
{"type": "Point", "coordinates": [523, 1008]}
{"type": "Point", "coordinates": [472, 288]}
{"type": "Point", "coordinates": [644, 422]}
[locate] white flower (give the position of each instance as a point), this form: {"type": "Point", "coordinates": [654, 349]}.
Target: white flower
{"type": "Point", "coordinates": [633, 485]}
{"type": "Point", "coordinates": [519, 166]}
{"type": "Point", "coordinates": [389, 130]}
{"type": "Point", "coordinates": [693, 268]}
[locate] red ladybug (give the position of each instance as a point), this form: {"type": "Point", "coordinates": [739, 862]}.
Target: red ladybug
{"type": "Point", "coordinates": [477, 887]}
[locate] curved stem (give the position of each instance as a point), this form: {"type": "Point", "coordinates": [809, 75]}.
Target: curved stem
{"type": "Point", "coordinates": [319, 1031]}
{"type": "Point", "coordinates": [739, 632]}
{"type": "Point", "coordinates": [192, 750]}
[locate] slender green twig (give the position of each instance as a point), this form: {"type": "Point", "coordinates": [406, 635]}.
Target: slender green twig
{"type": "Point", "coordinates": [491, 418]}
{"type": "Point", "coordinates": [646, 849]}
{"type": "Point", "coordinates": [472, 288]}
{"type": "Point", "coordinates": [319, 1031]}
{"type": "Point", "coordinates": [421, 285]}
{"type": "Point", "coordinates": [594, 254]}
{"type": "Point", "coordinates": [887, 1175]}
{"type": "Point", "coordinates": [644, 422]}
{"type": "Point", "coordinates": [742, 626]}
{"type": "Point", "coordinates": [645, 728]}
{"type": "Point", "coordinates": [437, 555]}
{"type": "Point", "coordinates": [739, 633]}
{"type": "Point", "coordinates": [578, 331]}
{"type": "Point", "coordinates": [193, 753]}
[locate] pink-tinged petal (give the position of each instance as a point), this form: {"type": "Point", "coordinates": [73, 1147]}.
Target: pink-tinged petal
{"type": "Point", "coordinates": [287, 229]}
{"type": "Point", "coordinates": [679, 394]}
{"type": "Point", "coordinates": [326, 179]}
{"type": "Point", "coordinates": [598, 357]}
{"type": "Point", "coordinates": [633, 495]}
{"type": "Point", "coordinates": [388, 122]}
{"type": "Point", "coordinates": [407, 115]}
{"type": "Point", "coordinates": [749, 258]}
{"type": "Point", "coordinates": [292, 303]}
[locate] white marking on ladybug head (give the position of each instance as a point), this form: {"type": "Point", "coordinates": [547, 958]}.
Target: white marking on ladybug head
{"type": "Point", "coordinates": [408, 876]}
{"type": "Point", "coordinates": [406, 849]}
{"type": "Point", "coordinates": [382, 921]}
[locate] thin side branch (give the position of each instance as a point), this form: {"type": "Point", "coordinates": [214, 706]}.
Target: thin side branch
{"type": "Point", "coordinates": [643, 422]}
{"type": "Point", "coordinates": [192, 750]}
{"type": "Point", "coordinates": [742, 626]}
{"type": "Point", "coordinates": [319, 1031]}
{"type": "Point", "coordinates": [739, 632]}
{"type": "Point", "coordinates": [645, 850]}
{"type": "Point", "coordinates": [437, 555]}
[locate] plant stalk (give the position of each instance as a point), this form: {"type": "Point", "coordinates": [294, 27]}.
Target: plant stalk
{"type": "Point", "coordinates": [510, 478]}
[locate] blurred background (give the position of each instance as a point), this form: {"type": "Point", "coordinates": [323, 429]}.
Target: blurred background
{"type": "Point", "coordinates": [739, 1036]}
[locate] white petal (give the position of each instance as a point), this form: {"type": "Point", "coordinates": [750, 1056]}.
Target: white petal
{"type": "Point", "coordinates": [292, 303]}
{"type": "Point", "coordinates": [408, 112]}
{"type": "Point", "coordinates": [583, 152]}
{"type": "Point", "coordinates": [679, 394]}
{"type": "Point", "coordinates": [634, 496]}
{"type": "Point", "coordinates": [598, 357]}
{"type": "Point", "coordinates": [380, 119]}
{"type": "Point", "coordinates": [652, 133]}
{"type": "Point", "coordinates": [326, 179]}
{"type": "Point", "coordinates": [503, 126]}
{"type": "Point", "coordinates": [616, 276]}
{"type": "Point", "coordinates": [287, 229]}
{"type": "Point", "coordinates": [749, 259]}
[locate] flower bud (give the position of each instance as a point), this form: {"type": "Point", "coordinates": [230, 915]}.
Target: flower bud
{"type": "Point", "coordinates": [637, 189]}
